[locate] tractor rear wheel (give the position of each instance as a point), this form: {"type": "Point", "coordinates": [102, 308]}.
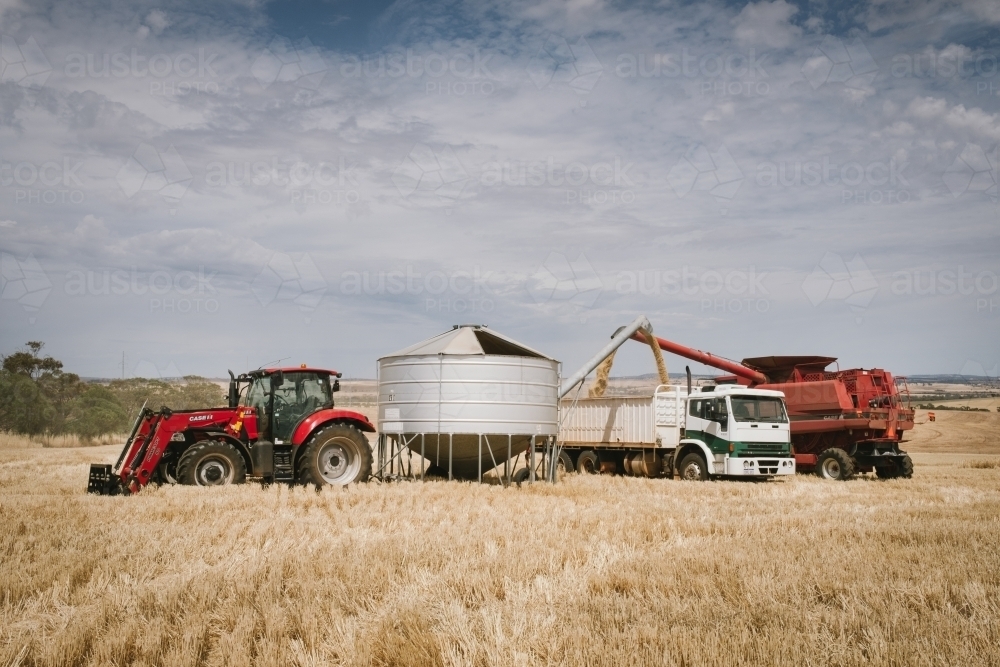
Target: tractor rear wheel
{"type": "Point", "coordinates": [588, 463]}
{"type": "Point", "coordinates": [211, 463]}
{"type": "Point", "coordinates": [337, 455]}
{"type": "Point", "coordinates": [693, 468]}
{"type": "Point", "coordinates": [835, 463]}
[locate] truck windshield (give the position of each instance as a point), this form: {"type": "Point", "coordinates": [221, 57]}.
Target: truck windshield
{"type": "Point", "coordinates": [758, 409]}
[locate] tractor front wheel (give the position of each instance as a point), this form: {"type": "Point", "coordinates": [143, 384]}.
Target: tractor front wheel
{"type": "Point", "coordinates": [835, 464]}
{"type": "Point", "coordinates": [337, 455]}
{"type": "Point", "coordinates": [211, 463]}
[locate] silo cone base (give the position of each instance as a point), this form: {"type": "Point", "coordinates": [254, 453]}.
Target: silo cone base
{"type": "Point", "coordinates": [465, 452]}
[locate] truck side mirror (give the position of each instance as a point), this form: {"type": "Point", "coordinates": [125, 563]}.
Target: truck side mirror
{"type": "Point", "coordinates": [234, 394]}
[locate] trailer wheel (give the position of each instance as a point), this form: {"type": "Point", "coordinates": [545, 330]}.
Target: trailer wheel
{"type": "Point", "coordinates": [337, 455]}
{"type": "Point", "coordinates": [693, 468]}
{"type": "Point", "coordinates": [588, 463]}
{"type": "Point", "coordinates": [564, 464]}
{"type": "Point", "coordinates": [835, 464]}
{"type": "Point", "coordinates": [521, 475]}
{"type": "Point", "coordinates": [211, 463]}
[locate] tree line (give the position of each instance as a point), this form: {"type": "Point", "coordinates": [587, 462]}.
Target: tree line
{"type": "Point", "coordinates": [38, 397]}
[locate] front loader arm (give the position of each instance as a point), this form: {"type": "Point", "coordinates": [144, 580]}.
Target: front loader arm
{"type": "Point", "coordinates": [139, 457]}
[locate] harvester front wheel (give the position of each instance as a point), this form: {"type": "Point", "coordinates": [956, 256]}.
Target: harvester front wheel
{"type": "Point", "coordinates": [588, 463]}
{"type": "Point", "coordinates": [835, 464]}
{"type": "Point", "coordinates": [693, 468]}
{"type": "Point", "coordinates": [906, 467]}
{"type": "Point", "coordinates": [211, 463]}
{"type": "Point", "coordinates": [337, 455]}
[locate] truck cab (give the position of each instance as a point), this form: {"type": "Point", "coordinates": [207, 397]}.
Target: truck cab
{"type": "Point", "coordinates": [731, 430]}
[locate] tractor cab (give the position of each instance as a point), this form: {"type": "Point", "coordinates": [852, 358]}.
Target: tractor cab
{"type": "Point", "coordinates": [283, 398]}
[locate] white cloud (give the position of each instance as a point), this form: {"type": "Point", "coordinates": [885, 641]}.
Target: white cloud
{"type": "Point", "coordinates": [767, 23]}
{"type": "Point", "coordinates": [157, 21]}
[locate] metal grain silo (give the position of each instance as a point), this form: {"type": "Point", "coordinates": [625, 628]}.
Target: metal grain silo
{"type": "Point", "coordinates": [466, 400]}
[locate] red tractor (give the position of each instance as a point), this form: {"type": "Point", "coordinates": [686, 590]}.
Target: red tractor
{"type": "Point", "coordinates": [280, 426]}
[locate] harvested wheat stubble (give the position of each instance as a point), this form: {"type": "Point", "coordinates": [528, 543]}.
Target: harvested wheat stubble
{"type": "Point", "coordinates": [594, 571]}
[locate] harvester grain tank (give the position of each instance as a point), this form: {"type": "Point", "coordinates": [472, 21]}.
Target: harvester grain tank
{"type": "Point", "coordinates": [842, 421]}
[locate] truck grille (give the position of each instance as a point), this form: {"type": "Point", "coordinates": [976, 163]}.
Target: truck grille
{"type": "Point", "coordinates": [764, 448]}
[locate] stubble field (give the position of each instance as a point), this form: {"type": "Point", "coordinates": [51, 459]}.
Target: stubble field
{"type": "Point", "coordinates": [592, 571]}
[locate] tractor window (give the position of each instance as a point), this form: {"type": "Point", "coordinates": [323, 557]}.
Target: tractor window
{"type": "Point", "coordinates": [759, 409]}
{"type": "Point", "coordinates": [298, 396]}
{"type": "Point", "coordinates": [256, 398]}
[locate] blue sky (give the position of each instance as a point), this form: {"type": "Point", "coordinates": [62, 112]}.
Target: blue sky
{"type": "Point", "coordinates": [210, 186]}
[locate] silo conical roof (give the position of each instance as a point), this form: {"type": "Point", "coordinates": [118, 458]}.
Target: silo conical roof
{"type": "Point", "coordinates": [469, 340]}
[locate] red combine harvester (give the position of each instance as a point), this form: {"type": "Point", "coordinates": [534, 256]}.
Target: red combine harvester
{"type": "Point", "coordinates": [842, 422]}
{"type": "Point", "coordinates": [280, 426]}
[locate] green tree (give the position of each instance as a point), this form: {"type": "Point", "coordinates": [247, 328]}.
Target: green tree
{"type": "Point", "coordinates": [96, 412]}
{"type": "Point", "coordinates": [24, 408]}
{"type": "Point", "coordinates": [57, 387]}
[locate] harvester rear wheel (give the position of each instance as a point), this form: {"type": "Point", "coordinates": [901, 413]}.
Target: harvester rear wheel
{"type": "Point", "coordinates": [588, 463]}
{"type": "Point", "coordinates": [693, 468]}
{"type": "Point", "coordinates": [211, 463]}
{"type": "Point", "coordinates": [337, 455]}
{"type": "Point", "coordinates": [835, 463]}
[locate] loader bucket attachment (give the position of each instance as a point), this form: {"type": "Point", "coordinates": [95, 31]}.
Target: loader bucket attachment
{"type": "Point", "coordinates": [102, 481]}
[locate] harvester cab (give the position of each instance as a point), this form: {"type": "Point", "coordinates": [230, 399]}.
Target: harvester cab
{"type": "Point", "coordinates": [280, 425]}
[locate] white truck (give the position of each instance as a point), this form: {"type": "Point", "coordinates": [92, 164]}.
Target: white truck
{"type": "Point", "coordinates": [721, 430]}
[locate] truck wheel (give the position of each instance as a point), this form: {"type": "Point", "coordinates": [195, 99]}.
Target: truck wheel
{"type": "Point", "coordinates": [693, 468]}
{"type": "Point", "coordinates": [211, 463]}
{"type": "Point", "coordinates": [835, 464]}
{"type": "Point", "coordinates": [564, 464]}
{"type": "Point", "coordinates": [337, 455]}
{"type": "Point", "coordinates": [588, 463]}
